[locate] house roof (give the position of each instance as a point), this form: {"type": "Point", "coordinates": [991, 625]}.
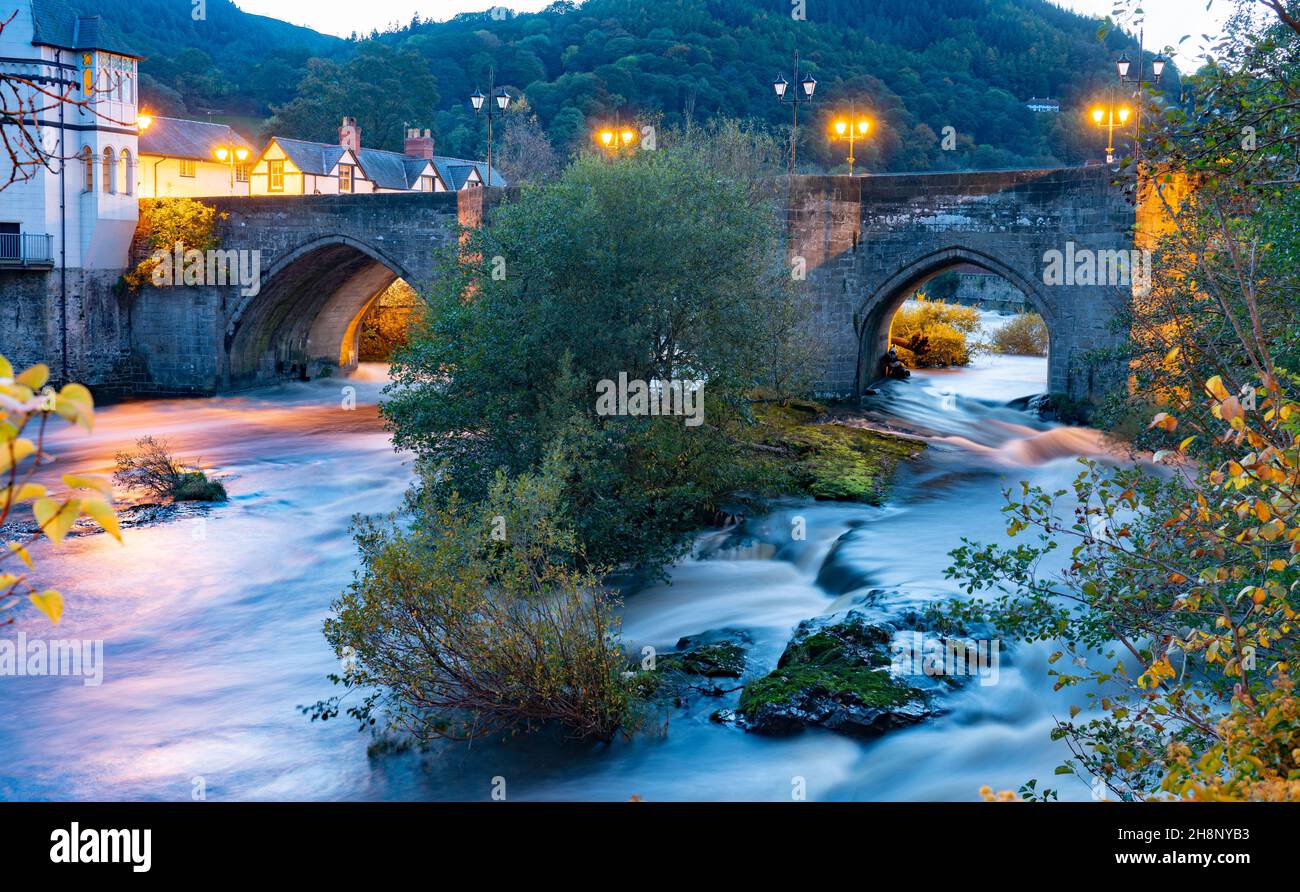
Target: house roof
{"type": "Point", "coordinates": [392, 170]}
{"type": "Point", "coordinates": [55, 24]}
{"type": "Point", "coordinates": [179, 138]}
{"type": "Point", "coordinates": [311, 157]}
{"type": "Point", "coordinates": [387, 170]}
{"type": "Point", "coordinates": [456, 171]}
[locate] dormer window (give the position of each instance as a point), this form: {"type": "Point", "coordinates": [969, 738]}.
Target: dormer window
{"type": "Point", "coordinates": [345, 177]}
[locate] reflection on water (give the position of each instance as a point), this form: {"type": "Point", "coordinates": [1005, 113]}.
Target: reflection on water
{"type": "Point", "coordinates": [212, 625]}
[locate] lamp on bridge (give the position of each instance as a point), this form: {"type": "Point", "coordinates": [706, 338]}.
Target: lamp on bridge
{"type": "Point", "coordinates": [852, 130]}
{"type": "Point", "coordinates": [615, 139]}
{"type": "Point", "coordinates": [1110, 117]}
{"type": "Point", "coordinates": [1122, 67]}
{"type": "Point", "coordinates": [230, 156]}
{"type": "Point", "coordinates": [501, 100]}
{"type": "Point", "coordinates": [143, 121]}
{"type": "Point", "coordinates": [807, 85]}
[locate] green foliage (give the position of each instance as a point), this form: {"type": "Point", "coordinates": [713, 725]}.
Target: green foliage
{"type": "Point", "coordinates": [917, 65]}
{"type": "Point", "coordinates": [472, 620]}
{"type": "Point", "coordinates": [381, 87]}
{"type": "Point", "coordinates": [166, 222]}
{"type": "Point", "coordinates": [1024, 335]}
{"type": "Point", "coordinates": [933, 334]}
{"type": "Point", "coordinates": [657, 267]}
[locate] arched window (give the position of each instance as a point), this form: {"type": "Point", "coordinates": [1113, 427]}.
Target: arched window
{"type": "Point", "coordinates": [128, 173]}
{"type": "Point", "coordinates": [88, 161]}
{"type": "Point", "coordinates": [110, 180]}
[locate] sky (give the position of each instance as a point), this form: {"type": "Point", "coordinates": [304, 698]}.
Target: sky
{"type": "Point", "coordinates": [1166, 20]}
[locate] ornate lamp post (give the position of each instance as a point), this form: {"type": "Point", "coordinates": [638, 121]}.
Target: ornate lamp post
{"type": "Point", "coordinates": [500, 99]}
{"type": "Point", "coordinates": [803, 94]}
{"type": "Point", "coordinates": [615, 139]}
{"type": "Point", "coordinates": [230, 156]}
{"type": "Point", "coordinates": [853, 128]}
{"type": "Point", "coordinates": [1110, 117]}
{"type": "Point", "coordinates": [1140, 82]}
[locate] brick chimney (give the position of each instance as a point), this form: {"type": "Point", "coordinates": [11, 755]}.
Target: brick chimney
{"type": "Point", "coordinates": [419, 145]}
{"type": "Point", "coordinates": [350, 134]}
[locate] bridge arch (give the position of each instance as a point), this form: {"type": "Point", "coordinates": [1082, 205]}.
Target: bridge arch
{"type": "Point", "coordinates": [305, 319]}
{"type": "Point", "coordinates": [876, 311]}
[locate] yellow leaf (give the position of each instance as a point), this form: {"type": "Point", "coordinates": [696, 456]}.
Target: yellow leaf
{"type": "Point", "coordinates": [12, 495]}
{"type": "Point", "coordinates": [1215, 388]}
{"type": "Point", "coordinates": [50, 603]}
{"type": "Point", "coordinates": [14, 454]}
{"type": "Point", "coordinates": [99, 484]}
{"type": "Point", "coordinates": [103, 514]}
{"type": "Point", "coordinates": [56, 518]}
{"type": "Point", "coordinates": [6, 370]}
{"type": "Point", "coordinates": [35, 377]}
{"type": "Point", "coordinates": [75, 403]}
{"type": "Point", "coordinates": [17, 548]}
{"type": "Point", "coordinates": [1188, 442]}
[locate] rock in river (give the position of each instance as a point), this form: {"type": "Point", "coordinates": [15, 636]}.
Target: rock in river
{"type": "Point", "coordinates": [834, 673]}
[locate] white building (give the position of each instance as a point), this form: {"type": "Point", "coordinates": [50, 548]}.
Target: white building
{"type": "Point", "coordinates": [78, 210]}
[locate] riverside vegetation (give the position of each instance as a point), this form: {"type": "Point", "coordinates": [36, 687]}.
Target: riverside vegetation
{"type": "Point", "coordinates": [1177, 610]}
{"type": "Point", "coordinates": [484, 607]}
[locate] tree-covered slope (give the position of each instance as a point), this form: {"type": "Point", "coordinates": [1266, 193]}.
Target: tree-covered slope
{"type": "Point", "coordinates": [916, 66]}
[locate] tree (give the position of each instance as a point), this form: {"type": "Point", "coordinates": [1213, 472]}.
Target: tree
{"type": "Point", "coordinates": [1176, 605]}
{"type": "Point", "coordinates": [384, 89]}
{"type": "Point", "coordinates": [659, 268]}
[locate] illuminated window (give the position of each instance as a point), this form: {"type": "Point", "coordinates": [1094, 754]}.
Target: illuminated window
{"type": "Point", "coordinates": [241, 173]}
{"type": "Point", "coordinates": [188, 166]}
{"type": "Point", "coordinates": [345, 177]}
{"type": "Point", "coordinates": [426, 183]}
{"type": "Point", "coordinates": [275, 176]}
{"type": "Point", "coordinates": [128, 173]}
{"type": "Point", "coordinates": [110, 178]}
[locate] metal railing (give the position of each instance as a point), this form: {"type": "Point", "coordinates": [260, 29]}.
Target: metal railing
{"type": "Point", "coordinates": [26, 249]}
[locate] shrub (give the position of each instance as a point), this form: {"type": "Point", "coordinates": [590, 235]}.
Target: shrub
{"type": "Point", "coordinates": [931, 333]}
{"type": "Point", "coordinates": [153, 469]}
{"type": "Point", "coordinates": [1025, 335]}
{"type": "Point", "coordinates": [473, 620]}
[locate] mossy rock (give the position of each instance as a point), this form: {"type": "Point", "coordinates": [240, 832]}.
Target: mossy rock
{"type": "Point", "coordinates": [833, 674]}
{"type": "Point", "coordinates": [722, 660]}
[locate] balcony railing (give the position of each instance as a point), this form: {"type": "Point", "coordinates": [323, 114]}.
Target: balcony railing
{"type": "Point", "coordinates": [26, 249]}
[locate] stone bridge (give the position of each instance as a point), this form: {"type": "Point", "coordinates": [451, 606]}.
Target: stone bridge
{"type": "Point", "coordinates": [867, 243]}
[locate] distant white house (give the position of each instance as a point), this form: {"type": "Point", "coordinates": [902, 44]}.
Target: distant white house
{"type": "Point", "coordinates": [1043, 105]}
{"type": "Point", "coordinates": [79, 210]}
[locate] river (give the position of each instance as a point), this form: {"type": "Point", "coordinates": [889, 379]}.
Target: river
{"type": "Point", "coordinates": [212, 624]}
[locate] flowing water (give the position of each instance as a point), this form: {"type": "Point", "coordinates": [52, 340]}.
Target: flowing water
{"type": "Point", "coordinates": [212, 623]}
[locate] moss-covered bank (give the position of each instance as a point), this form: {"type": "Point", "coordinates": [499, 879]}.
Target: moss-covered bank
{"type": "Point", "coordinates": [801, 450]}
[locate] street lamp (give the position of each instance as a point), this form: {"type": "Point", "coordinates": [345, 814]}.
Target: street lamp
{"type": "Point", "coordinates": [803, 94]}
{"type": "Point", "coordinates": [1110, 117]}
{"type": "Point", "coordinates": [501, 100]}
{"type": "Point", "coordinates": [852, 130]}
{"type": "Point", "coordinates": [143, 121]}
{"type": "Point", "coordinates": [230, 156]}
{"type": "Point", "coordinates": [615, 139]}
{"type": "Point", "coordinates": [1122, 67]}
